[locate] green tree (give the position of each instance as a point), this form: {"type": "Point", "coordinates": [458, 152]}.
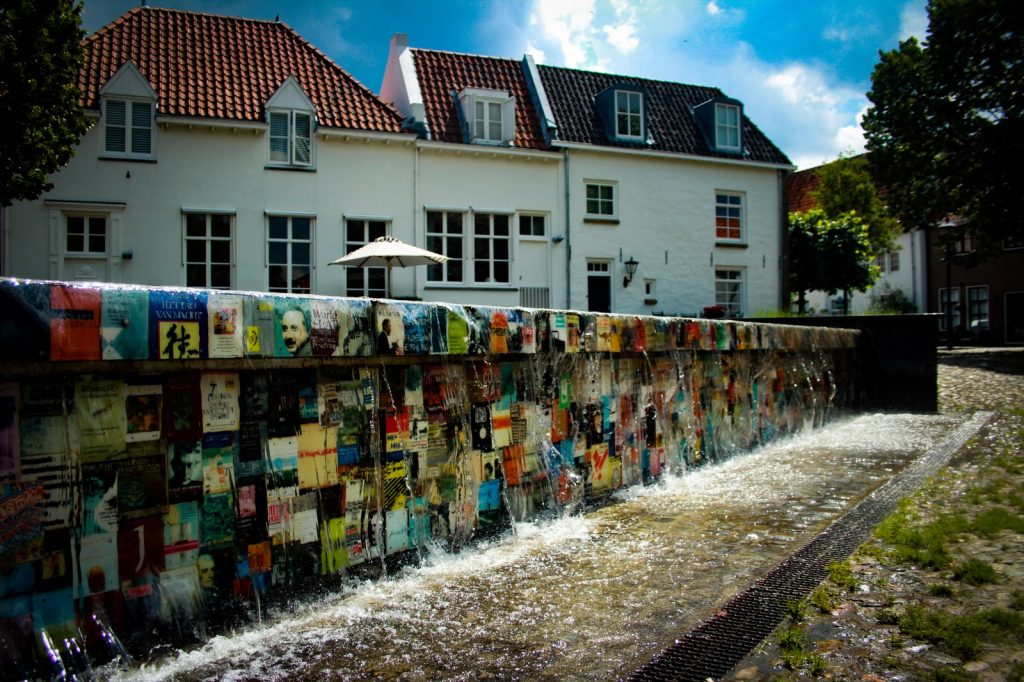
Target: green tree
{"type": "Point", "coordinates": [846, 185]}
{"type": "Point", "coordinates": [946, 130]}
{"type": "Point", "coordinates": [40, 57]}
{"type": "Point", "coordinates": [828, 254]}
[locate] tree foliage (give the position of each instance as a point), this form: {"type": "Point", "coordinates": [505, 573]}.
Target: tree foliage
{"type": "Point", "coordinates": [846, 185]}
{"type": "Point", "coordinates": [40, 57]}
{"type": "Point", "coordinates": [829, 254]}
{"type": "Point", "coordinates": [946, 130]}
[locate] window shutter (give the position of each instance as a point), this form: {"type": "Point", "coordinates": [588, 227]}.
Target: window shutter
{"type": "Point", "coordinates": [508, 120]}
{"type": "Point", "coordinates": [279, 148]}
{"type": "Point", "coordinates": [115, 125]}
{"type": "Point", "coordinates": [303, 138]}
{"type": "Point", "coordinates": [142, 128]}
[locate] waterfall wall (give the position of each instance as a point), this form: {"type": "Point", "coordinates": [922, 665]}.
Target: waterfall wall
{"type": "Point", "coordinates": [172, 461]}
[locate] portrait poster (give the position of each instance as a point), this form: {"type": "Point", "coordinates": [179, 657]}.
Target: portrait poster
{"type": "Point", "coordinates": [185, 470]}
{"type": "Point", "coordinates": [255, 400]}
{"type": "Point", "coordinates": [177, 325]}
{"type": "Point", "coordinates": [124, 324]}
{"type": "Point", "coordinates": [389, 329]}
{"type": "Point", "coordinates": [226, 325]}
{"type": "Point", "coordinates": [100, 417]}
{"type": "Point", "coordinates": [218, 463]}
{"type": "Point", "coordinates": [260, 325]}
{"type": "Point", "coordinates": [220, 392]}
{"type": "Point", "coordinates": [292, 334]}
{"type": "Point", "coordinates": [74, 322]}
{"type": "Point", "coordinates": [143, 405]}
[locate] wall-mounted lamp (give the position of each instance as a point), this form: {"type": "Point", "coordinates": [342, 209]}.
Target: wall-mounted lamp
{"type": "Point", "coordinates": [127, 255]}
{"type": "Point", "coordinates": [558, 238]}
{"type": "Point", "coordinates": [630, 271]}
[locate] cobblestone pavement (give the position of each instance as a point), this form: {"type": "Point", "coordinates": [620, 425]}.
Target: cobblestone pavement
{"type": "Point", "coordinates": [867, 635]}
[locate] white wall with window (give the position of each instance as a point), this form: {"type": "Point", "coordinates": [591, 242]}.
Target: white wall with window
{"type": "Point", "coordinates": [290, 253]}
{"type": "Point", "coordinates": [127, 111]}
{"type": "Point", "coordinates": [600, 196]}
{"type": "Point", "coordinates": [728, 216]}
{"type": "Point", "coordinates": [729, 291]}
{"type": "Point", "coordinates": [208, 249]}
{"type": "Point", "coordinates": [370, 281]}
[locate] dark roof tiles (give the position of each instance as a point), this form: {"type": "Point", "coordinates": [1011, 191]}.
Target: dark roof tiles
{"type": "Point", "coordinates": [209, 66]}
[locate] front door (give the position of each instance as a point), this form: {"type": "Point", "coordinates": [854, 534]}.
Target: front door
{"type": "Point", "coordinates": [599, 286]}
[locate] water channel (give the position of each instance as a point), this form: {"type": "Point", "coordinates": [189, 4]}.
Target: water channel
{"type": "Point", "coordinates": [586, 597]}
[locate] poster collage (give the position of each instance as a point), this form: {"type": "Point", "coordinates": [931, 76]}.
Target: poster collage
{"type": "Point", "coordinates": [161, 504]}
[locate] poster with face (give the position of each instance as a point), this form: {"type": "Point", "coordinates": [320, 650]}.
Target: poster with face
{"type": "Point", "coordinates": [293, 328]}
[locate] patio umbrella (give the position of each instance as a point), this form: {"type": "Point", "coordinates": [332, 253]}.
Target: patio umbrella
{"type": "Point", "coordinates": [388, 252]}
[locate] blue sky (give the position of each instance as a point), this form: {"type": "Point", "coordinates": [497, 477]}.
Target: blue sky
{"type": "Point", "coordinates": [801, 67]}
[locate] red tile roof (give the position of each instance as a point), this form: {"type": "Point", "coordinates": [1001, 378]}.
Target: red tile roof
{"type": "Point", "coordinates": [218, 67]}
{"type": "Point", "coordinates": [800, 187]}
{"type": "Point", "coordinates": [441, 74]}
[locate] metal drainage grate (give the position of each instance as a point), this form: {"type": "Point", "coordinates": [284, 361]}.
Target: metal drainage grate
{"type": "Point", "coordinates": [713, 647]}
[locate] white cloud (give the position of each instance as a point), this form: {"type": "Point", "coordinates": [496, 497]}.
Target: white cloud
{"type": "Point", "coordinates": [622, 37]}
{"type": "Point", "coordinates": [569, 25]}
{"type": "Point", "coordinates": [713, 8]}
{"type": "Point", "coordinates": [913, 21]}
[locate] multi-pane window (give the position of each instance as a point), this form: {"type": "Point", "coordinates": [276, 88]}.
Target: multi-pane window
{"type": "Point", "coordinates": [728, 216]}
{"type": "Point", "coordinates": [85, 235]}
{"type": "Point", "coordinates": [964, 244]}
{"type": "Point", "coordinates": [128, 127]}
{"type": "Point", "coordinates": [491, 248]}
{"type": "Point", "coordinates": [628, 114]}
{"type": "Point", "coordinates": [370, 282]}
{"type": "Point", "coordinates": [290, 254]}
{"type": "Point", "coordinates": [894, 261]}
{"type": "Point", "coordinates": [729, 290]}
{"type": "Point", "coordinates": [487, 121]}
{"type": "Point", "coordinates": [208, 250]}
{"type": "Point", "coordinates": [445, 236]}
{"type": "Point", "coordinates": [600, 199]}
{"type": "Point", "coordinates": [727, 126]}
{"type": "Point", "coordinates": [649, 288]}
{"type": "Point", "coordinates": [531, 225]}
{"type": "Point", "coordinates": [977, 308]}
{"type": "Point", "coordinates": [949, 306]}
{"type": "Point", "coordinates": [291, 138]}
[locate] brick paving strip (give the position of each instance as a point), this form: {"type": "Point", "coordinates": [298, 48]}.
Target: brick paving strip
{"type": "Point", "coordinates": [714, 646]}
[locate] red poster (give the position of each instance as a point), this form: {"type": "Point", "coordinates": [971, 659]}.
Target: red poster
{"type": "Point", "coordinates": [74, 323]}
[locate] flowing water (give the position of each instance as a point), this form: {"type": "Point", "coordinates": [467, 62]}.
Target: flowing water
{"type": "Point", "coordinates": [586, 597]}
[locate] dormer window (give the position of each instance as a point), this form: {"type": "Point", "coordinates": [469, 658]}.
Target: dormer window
{"type": "Point", "coordinates": [628, 114]}
{"type": "Point", "coordinates": [291, 119]}
{"type": "Point", "coordinates": [727, 126]}
{"type": "Point", "coordinates": [291, 138]}
{"type": "Point", "coordinates": [128, 106]}
{"type": "Point", "coordinates": [488, 116]}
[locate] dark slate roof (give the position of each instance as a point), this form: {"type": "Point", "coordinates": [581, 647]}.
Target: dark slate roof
{"type": "Point", "coordinates": [670, 119]}
{"type": "Point", "coordinates": [209, 66]}
{"type": "Point", "coordinates": [441, 74]}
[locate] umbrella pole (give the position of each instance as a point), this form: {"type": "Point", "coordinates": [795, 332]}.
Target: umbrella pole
{"type": "Point", "coordinates": [389, 278]}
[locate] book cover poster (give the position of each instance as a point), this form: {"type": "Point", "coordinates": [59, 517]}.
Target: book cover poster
{"type": "Point", "coordinates": [292, 319]}
{"type": "Point", "coordinates": [481, 427]}
{"type": "Point", "coordinates": [141, 486]}
{"type": "Point", "coordinates": [522, 333]}
{"type": "Point", "coordinates": [218, 463]}
{"type": "Point", "coordinates": [389, 329]}
{"type": "Point", "coordinates": [279, 513]}
{"type": "Point", "coordinates": [414, 386]}
{"type": "Point", "coordinates": [260, 328]}
{"type": "Point", "coordinates": [140, 549]}
{"type": "Point", "coordinates": [501, 423]}
{"type": "Point", "coordinates": [438, 329]}
{"type": "Point", "coordinates": [572, 333]}
{"type": "Point", "coordinates": [97, 559]}
{"type": "Point", "coordinates": [309, 410]}
{"type": "Point", "coordinates": [10, 446]}
{"type": "Point", "coordinates": [284, 460]}
{"type": "Point", "coordinates": [324, 330]}
{"type": "Point", "coordinates": [181, 535]}
{"type": "Point", "coordinates": [183, 415]}
{"type": "Point", "coordinates": [416, 321]}
{"type": "Point", "coordinates": [143, 406]}
{"type": "Point", "coordinates": [328, 402]}
{"type": "Point", "coordinates": [74, 323]}
{"type": "Point", "coordinates": [255, 400]}
{"type": "Point", "coordinates": [218, 520]}
{"type": "Point", "coordinates": [479, 329]}
{"type": "Point", "coordinates": [26, 308]}
{"type": "Point", "coordinates": [458, 331]}
{"type": "Point", "coordinates": [396, 524]}
{"type": "Point", "coordinates": [220, 392]}
{"type": "Point", "coordinates": [355, 328]}
{"type": "Point", "coordinates": [177, 325]}
{"type": "Point", "coordinates": [124, 324]}
{"type": "Point", "coordinates": [305, 527]}
{"type": "Point", "coordinates": [252, 438]}
{"type": "Point", "coordinates": [185, 470]}
{"type": "Point", "coordinates": [100, 417]}
{"type": "Point", "coordinates": [499, 332]}
{"type": "Point", "coordinates": [99, 498]}
{"type": "Point", "coordinates": [226, 325]}
{"type": "Point", "coordinates": [558, 332]}
{"type": "Point", "coordinates": [318, 456]}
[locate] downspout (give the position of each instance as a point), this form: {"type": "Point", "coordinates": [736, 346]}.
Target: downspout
{"type": "Point", "coordinates": [415, 215]}
{"type": "Point", "coordinates": [568, 239]}
{"type": "Point", "coordinates": [783, 244]}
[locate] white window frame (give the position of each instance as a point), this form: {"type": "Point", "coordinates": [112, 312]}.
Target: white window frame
{"type": "Point", "coordinates": [290, 240]}
{"type": "Point", "coordinates": [352, 244]}
{"type": "Point", "coordinates": [894, 261]}
{"type": "Point", "coordinates": [943, 308]}
{"type": "Point", "coordinates": [728, 123]}
{"type": "Point", "coordinates": [292, 157]}
{"type": "Point", "coordinates": [612, 201]}
{"type": "Point", "coordinates": [439, 242]}
{"type": "Point", "coordinates": [533, 218]}
{"type": "Point", "coordinates": [650, 288]}
{"type": "Point", "coordinates": [724, 285]}
{"type": "Point", "coordinates": [479, 128]}
{"type": "Point", "coordinates": [624, 100]}
{"type": "Point", "coordinates": [87, 217]}
{"type": "Point", "coordinates": [208, 238]}
{"type": "Point", "coordinates": [490, 238]}
{"type": "Point", "coordinates": [725, 208]}
{"type": "Point", "coordinates": [972, 302]}
{"type": "Point", "coordinates": [131, 126]}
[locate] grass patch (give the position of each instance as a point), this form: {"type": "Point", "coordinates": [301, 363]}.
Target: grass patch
{"type": "Point", "coordinates": [991, 521]}
{"type": "Point", "coordinates": [923, 545]}
{"type": "Point", "coordinates": [824, 599]}
{"type": "Point", "coordinates": [960, 635]}
{"type": "Point", "coordinates": [940, 590]}
{"type": "Point", "coordinates": [840, 573]}
{"type": "Point", "coordinates": [1017, 600]}
{"type": "Point", "coordinates": [975, 572]}
{"type": "Point", "coordinates": [797, 610]}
